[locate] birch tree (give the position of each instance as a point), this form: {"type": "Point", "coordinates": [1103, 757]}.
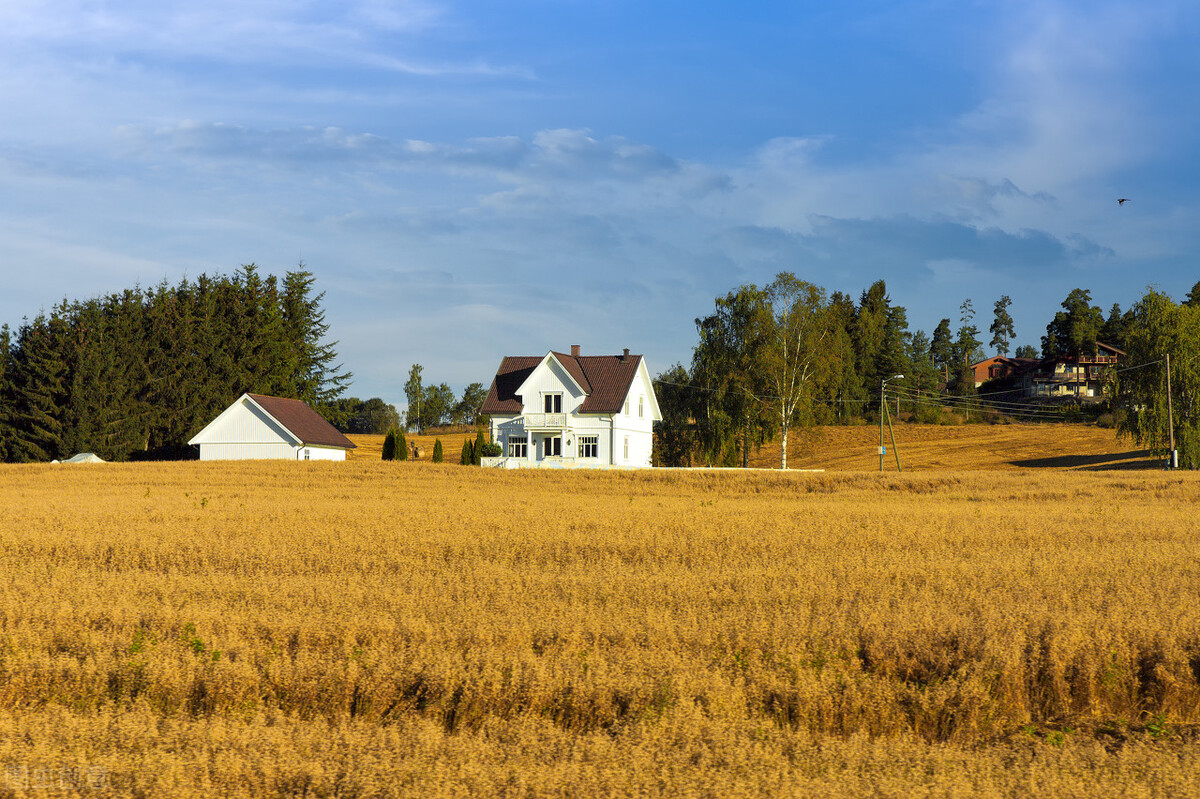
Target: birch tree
{"type": "Point", "coordinates": [796, 320]}
{"type": "Point", "coordinates": [1160, 327]}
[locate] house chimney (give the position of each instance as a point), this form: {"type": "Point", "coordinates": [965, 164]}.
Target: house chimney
{"type": "Point", "coordinates": [574, 350]}
{"type": "Point", "coordinates": [625, 355]}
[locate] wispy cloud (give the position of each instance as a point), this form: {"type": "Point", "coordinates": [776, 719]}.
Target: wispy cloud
{"type": "Point", "coordinates": [380, 34]}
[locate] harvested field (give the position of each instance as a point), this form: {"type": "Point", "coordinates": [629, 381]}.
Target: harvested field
{"type": "Point", "coordinates": [381, 629]}
{"type": "Point", "coordinates": [922, 447]}
{"type": "Point", "coordinates": [370, 447]}
{"type": "Point", "coordinates": [970, 447]}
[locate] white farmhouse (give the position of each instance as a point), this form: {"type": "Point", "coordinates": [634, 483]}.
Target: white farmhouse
{"type": "Point", "coordinates": [572, 410]}
{"type": "Point", "coordinates": [258, 426]}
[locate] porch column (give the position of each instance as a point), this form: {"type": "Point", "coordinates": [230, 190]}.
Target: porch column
{"type": "Point", "coordinates": [529, 453]}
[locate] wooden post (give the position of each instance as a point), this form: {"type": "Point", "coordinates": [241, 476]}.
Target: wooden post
{"type": "Point", "coordinates": [882, 411]}
{"type": "Point", "coordinates": [895, 451]}
{"type": "Point", "coordinates": [1170, 418]}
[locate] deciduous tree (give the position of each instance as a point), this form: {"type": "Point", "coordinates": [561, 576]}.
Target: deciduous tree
{"type": "Point", "coordinates": [1160, 327]}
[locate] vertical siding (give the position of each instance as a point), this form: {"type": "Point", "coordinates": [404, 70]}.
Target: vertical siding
{"type": "Point", "coordinates": [246, 451]}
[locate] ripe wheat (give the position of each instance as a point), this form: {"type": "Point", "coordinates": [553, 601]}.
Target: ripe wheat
{"type": "Point", "coordinates": [379, 629]}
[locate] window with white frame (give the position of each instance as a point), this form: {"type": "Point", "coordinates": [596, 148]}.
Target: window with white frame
{"type": "Point", "coordinates": [518, 448]}
{"type": "Point", "coordinates": [552, 447]}
{"type": "Point", "coordinates": [626, 447]}
{"type": "Point", "coordinates": [627, 406]}
{"type": "Point", "coordinates": [589, 446]}
{"type": "Point", "coordinates": [552, 403]}
{"type": "Point", "coordinates": [641, 402]}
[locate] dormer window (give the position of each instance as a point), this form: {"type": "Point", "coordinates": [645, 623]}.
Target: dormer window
{"type": "Point", "coordinates": [552, 403]}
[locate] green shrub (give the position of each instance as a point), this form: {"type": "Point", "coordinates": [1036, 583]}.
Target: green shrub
{"type": "Point", "coordinates": [468, 453]}
{"type": "Point", "coordinates": [389, 445]}
{"type": "Point", "coordinates": [401, 447]}
{"type": "Point", "coordinates": [437, 450]}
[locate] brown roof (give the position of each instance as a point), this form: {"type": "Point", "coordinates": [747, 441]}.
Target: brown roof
{"type": "Point", "coordinates": [604, 378]}
{"type": "Point", "coordinates": [302, 421]}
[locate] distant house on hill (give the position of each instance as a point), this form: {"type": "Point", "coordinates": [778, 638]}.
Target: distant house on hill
{"type": "Point", "coordinates": [560, 410]}
{"type": "Point", "coordinates": [1081, 377]}
{"type": "Point", "coordinates": [1001, 367]}
{"type": "Point", "coordinates": [258, 426]}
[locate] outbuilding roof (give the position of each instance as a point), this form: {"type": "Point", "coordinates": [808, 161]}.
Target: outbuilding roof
{"type": "Point", "coordinates": [302, 421]}
{"type": "Point", "coordinates": [604, 378]}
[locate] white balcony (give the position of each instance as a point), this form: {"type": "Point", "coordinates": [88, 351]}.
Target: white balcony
{"type": "Point", "coordinates": [539, 422]}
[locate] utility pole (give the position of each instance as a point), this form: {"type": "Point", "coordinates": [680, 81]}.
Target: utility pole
{"type": "Point", "coordinates": [1171, 459]}
{"type": "Point", "coordinates": [882, 411]}
{"type": "Point", "coordinates": [895, 449]}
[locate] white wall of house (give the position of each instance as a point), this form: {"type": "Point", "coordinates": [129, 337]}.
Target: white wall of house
{"type": "Point", "coordinates": [550, 378]}
{"type": "Point", "coordinates": [229, 451]}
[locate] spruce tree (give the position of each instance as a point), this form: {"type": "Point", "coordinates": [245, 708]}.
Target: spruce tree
{"type": "Point", "coordinates": [389, 445]}
{"type": "Point", "coordinates": [437, 451]}
{"type": "Point", "coordinates": [38, 381]}
{"type": "Point", "coordinates": [477, 448]}
{"type": "Point", "coordinates": [6, 393]}
{"type": "Point", "coordinates": [468, 453]}
{"type": "Point", "coordinates": [401, 447]}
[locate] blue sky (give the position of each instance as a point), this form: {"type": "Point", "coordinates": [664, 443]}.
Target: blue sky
{"type": "Point", "coordinates": [469, 180]}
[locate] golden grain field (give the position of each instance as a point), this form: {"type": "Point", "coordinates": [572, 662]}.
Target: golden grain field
{"type": "Point", "coordinates": [387, 629]}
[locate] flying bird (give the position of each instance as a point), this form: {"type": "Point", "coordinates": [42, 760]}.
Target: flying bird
{"type": "Point", "coordinates": [1122, 201]}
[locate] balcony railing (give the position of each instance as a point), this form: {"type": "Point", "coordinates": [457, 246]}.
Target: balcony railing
{"type": "Point", "coordinates": [545, 421]}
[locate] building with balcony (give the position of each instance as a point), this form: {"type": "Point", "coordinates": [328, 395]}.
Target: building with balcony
{"type": "Point", "coordinates": [560, 410]}
{"type": "Point", "coordinates": [1082, 377]}
{"type": "Point", "coordinates": [1079, 378]}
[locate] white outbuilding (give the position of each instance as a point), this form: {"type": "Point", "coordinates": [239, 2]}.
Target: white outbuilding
{"type": "Point", "coordinates": [258, 426]}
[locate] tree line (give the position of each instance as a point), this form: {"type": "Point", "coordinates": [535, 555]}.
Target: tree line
{"type": "Point", "coordinates": [138, 373]}
{"type": "Point", "coordinates": [788, 354]}
{"type": "Point", "coordinates": [434, 406]}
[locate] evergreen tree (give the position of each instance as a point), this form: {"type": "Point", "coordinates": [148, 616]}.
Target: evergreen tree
{"type": "Point", "coordinates": [1074, 330]}
{"type": "Point", "coordinates": [316, 378]}
{"type": "Point", "coordinates": [1026, 351]}
{"type": "Point", "coordinates": [39, 373]}
{"type": "Point", "coordinates": [401, 446]}
{"type": "Point", "coordinates": [870, 321]}
{"type": "Point", "coordinates": [477, 448]}
{"type": "Point", "coordinates": [967, 346]}
{"type": "Point", "coordinates": [1193, 296]}
{"type": "Point", "coordinates": [1002, 326]}
{"type": "Point", "coordinates": [1116, 326]}
{"type": "Point", "coordinates": [7, 396]}
{"type": "Point", "coordinates": [438, 456]}
{"type": "Point", "coordinates": [144, 370]}
{"type": "Point", "coordinates": [468, 453]}
{"type": "Point", "coordinates": [389, 445]}
{"type": "Point", "coordinates": [846, 393]}
{"type": "Point", "coordinates": [941, 349]}
{"type": "Point", "coordinates": [922, 374]}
